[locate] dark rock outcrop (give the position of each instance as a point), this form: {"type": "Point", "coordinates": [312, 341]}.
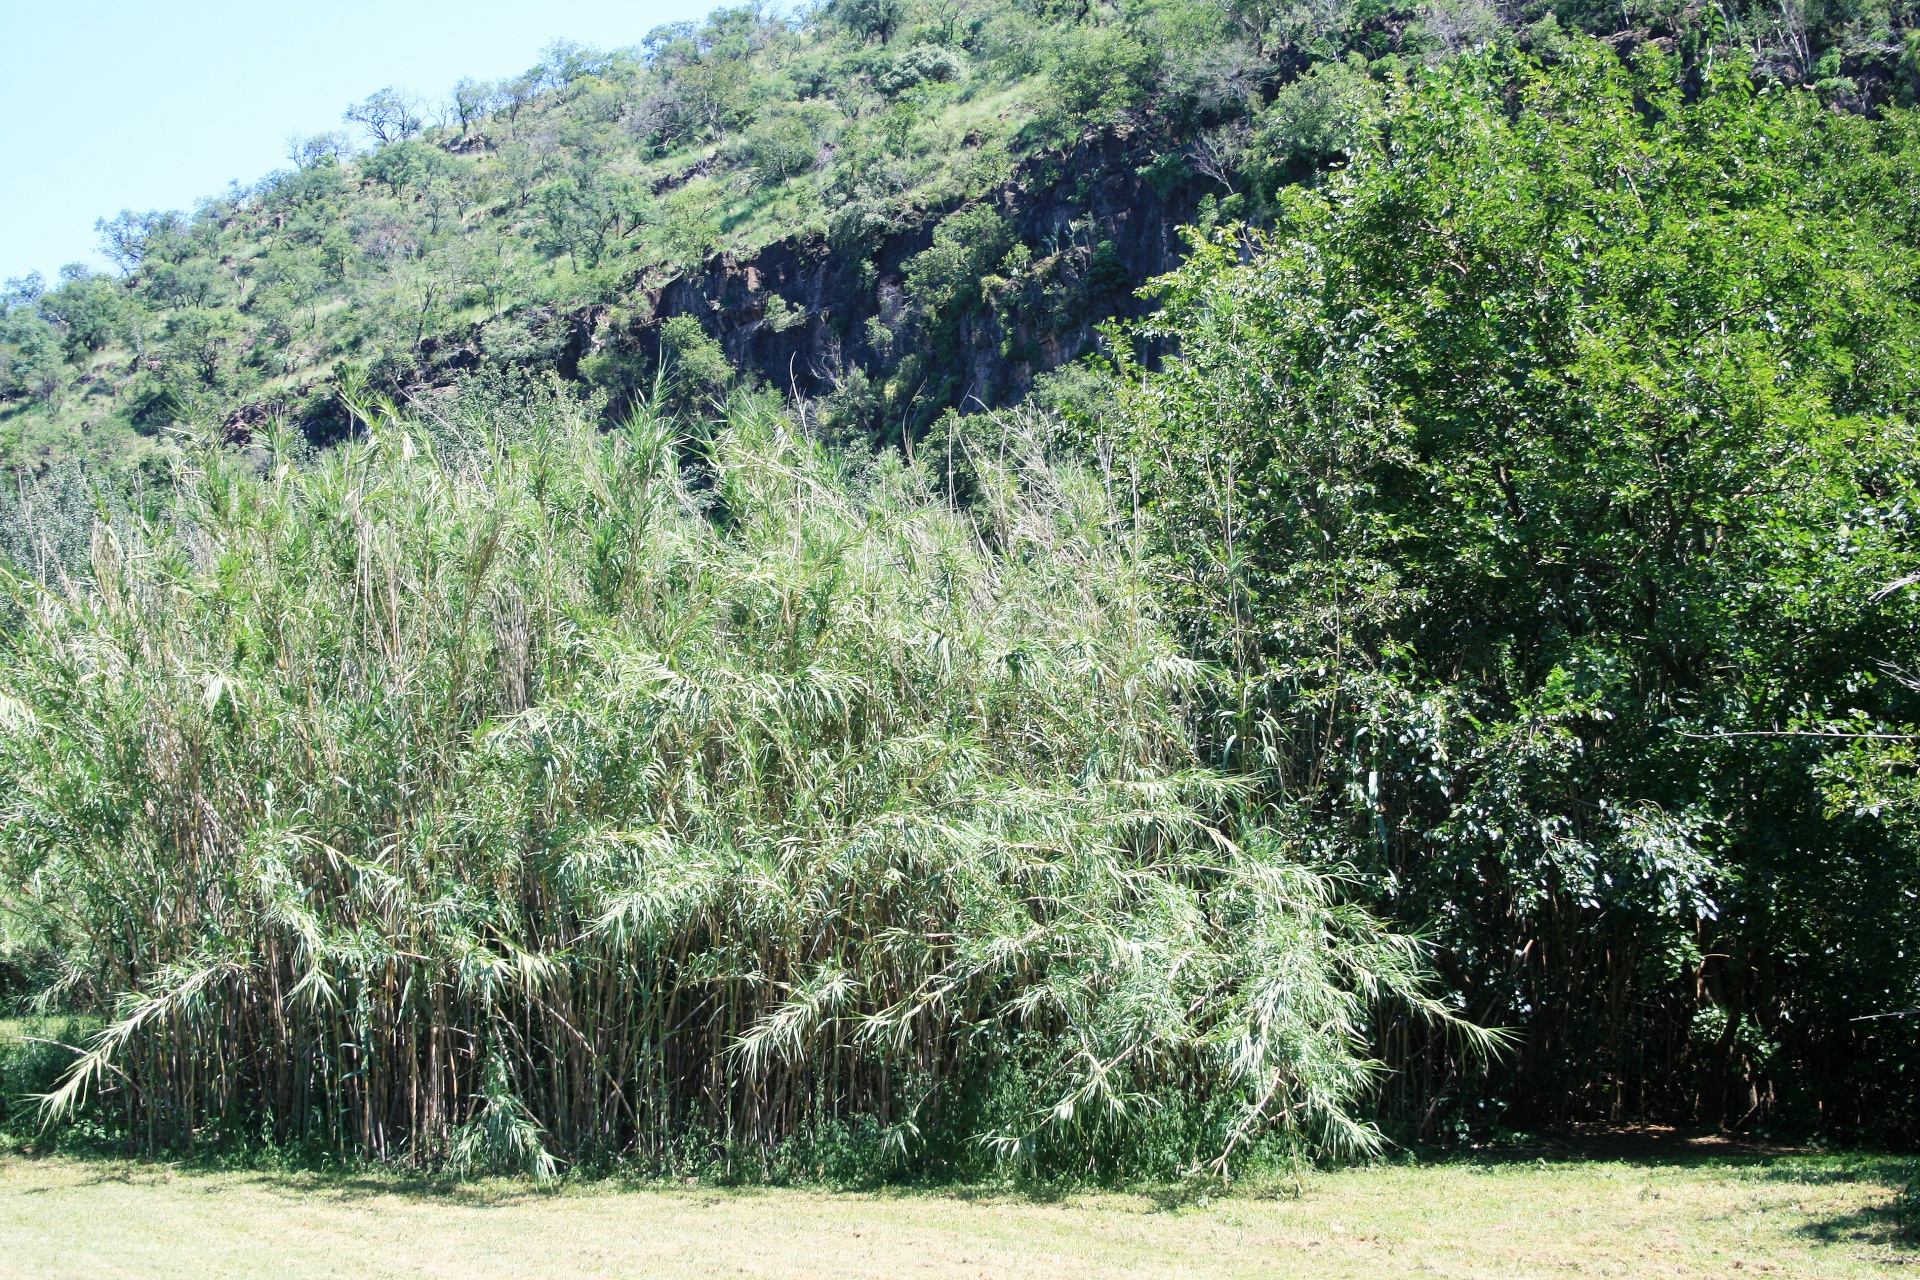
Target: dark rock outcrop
{"type": "Point", "coordinates": [799, 315]}
{"type": "Point", "coordinates": [795, 315]}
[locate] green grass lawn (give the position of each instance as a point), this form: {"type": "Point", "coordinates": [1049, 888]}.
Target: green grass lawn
{"type": "Point", "coordinates": [1652, 1212]}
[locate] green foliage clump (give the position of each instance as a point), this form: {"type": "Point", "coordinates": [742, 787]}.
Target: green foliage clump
{"type": "Point", "coordinates": [782, 148]}
{"type": "Point", "coordinates": [1103, 75]}
{"type": "Point", "coordinates": [34, 1054]}
{"type": "Point", "coordinates": [695, 364]}
{"type": "Point", "coordinates": [30, 355]}
{"type": "Point", "coordinates": [944, 281]}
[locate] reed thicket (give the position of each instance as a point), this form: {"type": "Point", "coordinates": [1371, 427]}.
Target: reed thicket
{"type": "Point", "coordinates": [475, 796]}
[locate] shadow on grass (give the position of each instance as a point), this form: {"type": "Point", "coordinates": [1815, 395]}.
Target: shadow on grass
{"type": "Point", "coordinates": [1893, 1224]}
{"type": "Point", "coordinates": [1659, 1148]}
{"type": "Point", "coordinates": [1164, 1197]}
{"type": "Point", "coordinates": [213, 1175]}
{"type": "Point", "coordinates": [1884, 1225]}
{"type": "Point", "coordinates": [334, 1185]}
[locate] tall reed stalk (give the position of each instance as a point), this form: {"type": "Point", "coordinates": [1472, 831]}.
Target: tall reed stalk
{"type": "Point", "coordinates": [482, 802]}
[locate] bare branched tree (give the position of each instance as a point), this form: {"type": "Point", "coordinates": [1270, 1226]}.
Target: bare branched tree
{"type": "Point", "coordinates": [387, 115]}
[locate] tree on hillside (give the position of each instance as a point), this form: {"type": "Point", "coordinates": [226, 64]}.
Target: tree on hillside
{"type": "Point", "coordinates": [130, 239]}
{"type": "Point", "coordinates": [387, 115]}
{"type": "Point", "coordinates": [472, 100]}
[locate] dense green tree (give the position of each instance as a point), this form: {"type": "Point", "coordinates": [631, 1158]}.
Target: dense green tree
{"type": "Point", "coordinates": [695, 365]}
{"type": "Point", "coordinates": [31, 363]}
{"type": "Point", "coordinates": [1545, 486]}
{"type": "Point", "coordinates": [873, 19]}
{"type": "Point", "coordinates": [130, 238]}
{"type": "Point", "coordinates": [944, 281]}
{"type": "Point", "coordinates": [780, 147]}
{"type": "Point", "coordinates": [87, 308]}
{"type": "Point", "coordinates": [407, 163]}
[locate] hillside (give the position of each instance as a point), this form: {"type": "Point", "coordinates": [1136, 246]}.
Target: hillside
{"type": "Point", "coordinates": [890, 208]}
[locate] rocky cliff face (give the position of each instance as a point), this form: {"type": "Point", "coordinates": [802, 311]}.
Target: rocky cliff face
{"type": "Point", "coordinates": [806, 316]}
{"type": "Point", "coordinates": [815, 318]}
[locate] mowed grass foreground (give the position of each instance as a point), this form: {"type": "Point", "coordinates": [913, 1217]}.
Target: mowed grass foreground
{"type": "Point", "coordinates": [1793, 1216]}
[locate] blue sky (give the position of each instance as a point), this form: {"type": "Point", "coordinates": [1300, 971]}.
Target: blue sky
{"type": "Point", "coordinates": [111, 104]}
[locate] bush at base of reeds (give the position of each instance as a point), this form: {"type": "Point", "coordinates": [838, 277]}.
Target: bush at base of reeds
{"type": "Point", "coordinates": [505, 801]}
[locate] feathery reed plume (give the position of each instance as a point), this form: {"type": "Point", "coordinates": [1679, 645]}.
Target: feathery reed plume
{"type": "Point", "coordinates": [501, 802]}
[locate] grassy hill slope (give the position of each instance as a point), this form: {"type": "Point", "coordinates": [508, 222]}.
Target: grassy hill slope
{"type": "Point", "coordinates": [557, 219]}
